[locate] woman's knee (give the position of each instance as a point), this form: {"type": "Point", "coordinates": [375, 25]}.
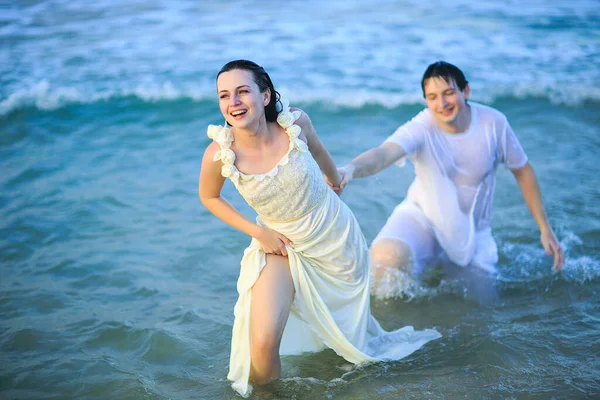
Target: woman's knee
{"type": "Point", "coordinates": [390, 253]}
{"type": "Point", "coordinates": [264, 356]}
{"type": "Point", "coordinates": [265, 343]}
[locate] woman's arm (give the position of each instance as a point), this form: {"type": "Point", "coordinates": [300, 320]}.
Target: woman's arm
{"type": "Point", "coordinates": [209, 189]}
{"type": "Point", "coordinates": [318, 150]}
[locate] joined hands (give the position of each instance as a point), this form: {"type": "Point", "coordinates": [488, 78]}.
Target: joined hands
{"type": "Point", "coordinates": [345, 178]}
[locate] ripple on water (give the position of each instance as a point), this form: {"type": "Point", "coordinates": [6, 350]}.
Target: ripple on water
{"type": "Point", "coordinates": [32, 174]}
{"type": "Point", "coordinates": [163, 360]}
{"type": "Point", "coordinates": [32, 340]}
{"type": "Point", "coordinates": [104, 278]}
{"type": "Point", "coordinates": [29, 302]}
{"type": "Point", "coordinates": [116, 338]}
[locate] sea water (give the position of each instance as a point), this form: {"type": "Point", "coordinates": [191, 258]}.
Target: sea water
{"type": "Point", "coordinates": [116, 283]}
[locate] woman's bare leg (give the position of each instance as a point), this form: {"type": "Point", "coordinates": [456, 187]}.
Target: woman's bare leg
{"type": "Point", "coordinates": [272, 297]}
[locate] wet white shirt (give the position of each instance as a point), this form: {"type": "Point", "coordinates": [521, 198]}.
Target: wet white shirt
{"type": "Point", "coordinates": [455, 174]}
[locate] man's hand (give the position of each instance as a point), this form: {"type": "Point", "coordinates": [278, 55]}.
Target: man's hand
{"type": "Point", "coordinates": [552, 247]}
{"type": "Point", "coordinates": [346, 175]}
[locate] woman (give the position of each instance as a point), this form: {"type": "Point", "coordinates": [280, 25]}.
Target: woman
{"type": "Point", "coordinates": [304, 279]}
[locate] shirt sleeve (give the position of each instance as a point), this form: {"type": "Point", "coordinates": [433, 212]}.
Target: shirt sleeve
{"type": "Point", "coordinates": [409, 136]}
{"type": "Point", "coordinates": [511, 152]}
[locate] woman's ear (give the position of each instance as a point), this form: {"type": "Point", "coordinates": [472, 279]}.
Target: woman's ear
{"type": "Point", "coordinates": [267, 97]}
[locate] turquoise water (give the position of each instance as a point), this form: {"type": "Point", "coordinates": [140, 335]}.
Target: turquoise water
{"type": "Point", "coordinates": [116, 283]}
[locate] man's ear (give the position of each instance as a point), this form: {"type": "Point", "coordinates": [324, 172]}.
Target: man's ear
{"type": "Point", "coordinates": [467, 91]}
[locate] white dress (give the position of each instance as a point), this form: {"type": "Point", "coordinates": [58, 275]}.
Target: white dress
{"type": "Point", "coordinates": [329, 263]}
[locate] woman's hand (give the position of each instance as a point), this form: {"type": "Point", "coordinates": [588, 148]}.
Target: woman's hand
{"type": "Point", "coordinates": [273, 242]}
{"type": "Point", "coordinates": [333, 186]}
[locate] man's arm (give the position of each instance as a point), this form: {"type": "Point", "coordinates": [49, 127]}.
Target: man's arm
{"type": "Point", "coordinates": [533, 198]}
{"type": "Point", "coordinates": [371, 162]}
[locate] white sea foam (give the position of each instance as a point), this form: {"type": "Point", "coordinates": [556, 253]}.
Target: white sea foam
{"type": "Point", "coordinates": [529, 263]}
{"type": "Point", "coordinates": [347, 54]}
{"type": "Point", "coordinates": [582, 269]}
{"type": "Point", "coordinates": [45, 96]}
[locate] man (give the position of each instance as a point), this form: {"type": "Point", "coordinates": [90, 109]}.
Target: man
{"type": "Point", "coordinates": [455, 147]}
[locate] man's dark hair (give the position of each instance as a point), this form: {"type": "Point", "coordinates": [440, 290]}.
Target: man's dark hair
{"type": "Point", "coordinates": [262, 79]}
{"type": "Point", "coordinates": [446, 71]}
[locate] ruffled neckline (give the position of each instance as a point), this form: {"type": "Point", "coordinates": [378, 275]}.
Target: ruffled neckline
{"type": "Point", "coordinates": [224, 137]}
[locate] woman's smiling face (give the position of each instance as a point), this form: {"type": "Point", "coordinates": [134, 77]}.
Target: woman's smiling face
{"type": "Point", "coordinates": [240, 100]}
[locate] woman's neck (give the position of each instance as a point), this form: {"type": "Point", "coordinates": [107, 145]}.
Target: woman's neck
{"type": "Point", "coordinates": [255, 136]}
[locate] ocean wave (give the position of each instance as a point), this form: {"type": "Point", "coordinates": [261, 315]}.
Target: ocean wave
{"type": "Point", "coordinates": [46, 97]}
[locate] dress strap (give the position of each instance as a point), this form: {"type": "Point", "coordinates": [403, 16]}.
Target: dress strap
{"type": "Point", "coordinates": [224, 137]}
{"type": "Point", "coordinates": [286, 119]}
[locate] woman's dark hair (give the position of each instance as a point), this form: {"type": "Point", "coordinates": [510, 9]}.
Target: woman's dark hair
{"type": "Point", "coordinates": [446, 71]}
{"type": "Point", "coordinates": [262, 79]}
